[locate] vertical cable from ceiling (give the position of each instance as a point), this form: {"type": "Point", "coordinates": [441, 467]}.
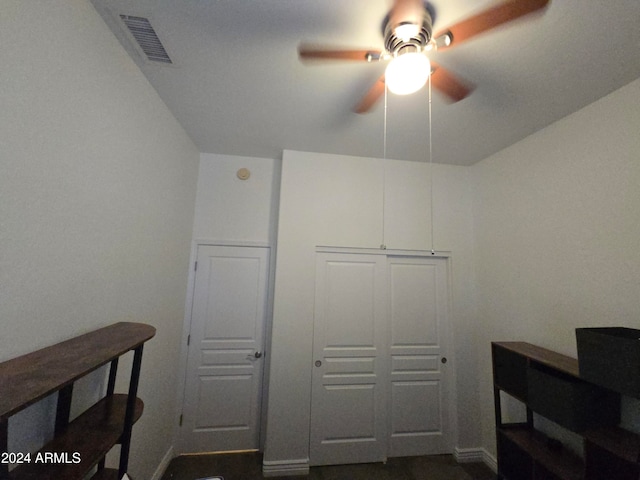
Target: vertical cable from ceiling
{"type": "Point", "coordinates": [433, 252]}
{"type": "Point", "coordinates": [383, 246]}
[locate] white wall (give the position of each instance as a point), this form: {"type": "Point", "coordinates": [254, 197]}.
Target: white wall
{"type": "Point", "coordinates": [96, 204]}
{"type": "Point", "coordinates": [557, 224]}
{"type": "Point", "coordinates": [338, 201]}
{"type": "Point", "coordinates": [232, 210]}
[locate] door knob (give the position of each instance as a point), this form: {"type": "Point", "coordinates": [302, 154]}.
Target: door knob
{"type": "Point", "coordinates": [254, 357]}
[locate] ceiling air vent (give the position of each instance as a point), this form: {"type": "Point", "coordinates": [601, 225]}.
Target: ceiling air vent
{"type": "Point", "coordinates": [146, 37]}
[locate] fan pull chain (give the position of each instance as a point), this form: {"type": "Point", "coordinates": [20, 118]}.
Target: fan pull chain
{"type": "Point", "coordinates": [384, 141]}
{"type": "Point", "coordinates": [433, 252]}
{"type": "Point", "coordinates": [384, 165]}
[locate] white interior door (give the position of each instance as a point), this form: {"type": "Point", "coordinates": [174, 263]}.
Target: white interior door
{"type": "Point", "coordinates": [420, 373]}
{"type": "Point", "coordinates": [225, 361]}
{"type": "Point", "coordinates": [348, 398]}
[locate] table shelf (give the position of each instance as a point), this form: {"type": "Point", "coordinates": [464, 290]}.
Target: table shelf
{"type": "Point", "coordinates": [80, 445]}
{"type": "Point", "coordinates": [559, 461]}
{"type": "Point", "coordinates": [549, 384]}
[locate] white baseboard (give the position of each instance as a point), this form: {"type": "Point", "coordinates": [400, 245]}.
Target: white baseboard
{"type": "Point", "coordinates": [470, 455]}
{"type": "Point", "coordinates": [490, 461]}
{"type": "Point", "coordinates": [285, 468]}
{"type": "Point", "coordinates": [164, 463]}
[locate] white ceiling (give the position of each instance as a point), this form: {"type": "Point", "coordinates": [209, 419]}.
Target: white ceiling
{"type": "Point", "coordinates": [238, 88]}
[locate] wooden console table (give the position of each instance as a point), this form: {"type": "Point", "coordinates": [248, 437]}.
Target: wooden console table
{"type": "Point", "coordinates": [79, 445]}
{"type": "Point", "coordinates": [549, 384]}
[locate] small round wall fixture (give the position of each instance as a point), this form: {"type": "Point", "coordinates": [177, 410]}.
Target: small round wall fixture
{"type": "Point", "coordinates": [243, 173]}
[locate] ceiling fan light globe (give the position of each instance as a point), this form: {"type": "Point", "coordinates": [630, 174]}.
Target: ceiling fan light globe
{"type": "Point", "coordinates": [407, 73]}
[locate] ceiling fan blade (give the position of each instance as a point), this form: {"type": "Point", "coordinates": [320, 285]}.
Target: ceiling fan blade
{"type": "Point", "coordinates": [491, 18]}
{"type": "Point", "coordinates": [454, 88]}
{"type": "Point", "coordinates": [316, 53]}
{"type": "Point", "coordinates": [406, 11]}
{"type": "Point", "coordinates": [371, 97]}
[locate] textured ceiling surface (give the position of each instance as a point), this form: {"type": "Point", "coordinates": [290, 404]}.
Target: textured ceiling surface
{"type": "Point", "coordinates": [238, 87]}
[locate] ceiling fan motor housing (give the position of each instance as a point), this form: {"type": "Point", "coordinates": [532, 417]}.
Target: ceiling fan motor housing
{"type": "Point", "coordinates": [407, 28]}
{"type": "Point", "coordinates": [418, 42]}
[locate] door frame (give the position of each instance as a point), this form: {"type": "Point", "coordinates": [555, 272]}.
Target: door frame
{"type": "Point", "coordinates": [186, 330]}
{"type": "Point", "coordinates": [448, 257]}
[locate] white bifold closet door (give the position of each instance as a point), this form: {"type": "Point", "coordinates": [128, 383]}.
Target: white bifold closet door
{"type": "Point", "coordinates": [348, 393]}
{"type": "Point", "coordinates": [419, 381]}
{"type": "Point", "coordinates": [379, 384]}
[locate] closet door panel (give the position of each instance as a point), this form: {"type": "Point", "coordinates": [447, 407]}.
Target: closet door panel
{"type": "Point", "coordinates": [418, 315]}
{"type": "Point", "coordinates": [409, 416]}
{"type": "Point", "coordinates": [380, 382]}
{"type": "Point", "coordinates": [348, 380]}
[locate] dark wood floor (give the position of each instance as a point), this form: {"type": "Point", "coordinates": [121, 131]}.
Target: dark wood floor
{"type": "Point", "coordinates": [248, 466]}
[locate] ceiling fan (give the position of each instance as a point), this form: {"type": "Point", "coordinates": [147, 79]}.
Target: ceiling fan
{"type": "Point", "coordinates": [407, 31]}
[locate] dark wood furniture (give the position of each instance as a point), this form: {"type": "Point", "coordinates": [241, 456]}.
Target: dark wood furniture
{"type": "Point", "coordinates": [549, 384]}
{"type": "Point", "coordinates": [29, 378]}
